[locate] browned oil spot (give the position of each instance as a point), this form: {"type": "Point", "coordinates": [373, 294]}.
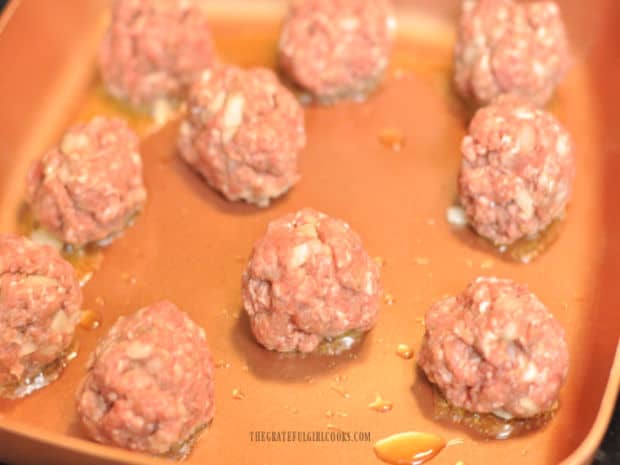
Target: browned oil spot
{"type": "Point", "coordinates": [527, 249]}
{"type": "Point", "coordinates": [39, 379]}
{"type": "Point", "coordinates": [85, 261]}
{"type": "Point", "coordinates": [487, 425]}
{"type": "Point", "coordinates": [524, 250]}
{"type": "Point", "coordinates": [392, 138]}
{"type": "Point", "coordinates": [380, 404]}
{"type": "Point", "coordinates": [412, 448]}
{"type": "Point", "coordinates": [339, 344]}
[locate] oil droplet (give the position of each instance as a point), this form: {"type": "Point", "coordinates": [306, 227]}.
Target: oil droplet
{"type": "Point", "coordinates": [388, 299]}
{"type": "Point", "coordinates": [329, 414]}
{"type": "Point", "coordinates": [181, 451]}
{"type": "Point", "coordinates": [333, 427]}
{"type": "Point", "coordinates": [308, 379]}
{"type": "Point", "coordinates": [25, 220]}
{"type": "Point", "coordinates": [404, 351]}
{"type": "Point", "coordinates": [392, 138]}
{"type": "Point", "coordinates": [455, 442]}
{"type": "Point", "coordinates": [487, 425]}
{"type": "Point", "coordinates": [72, 351]}
{"type": "Point", "coordinates": [36, 380]}
{"type": "Point", "coordinates": [527, 249]}
{"type": "Point", "coordinates": [237, 394]}
{"type": "Point", "coordinates": [460, 462]}
{"type": "Point", "coordinates": [523, 250]}
{"type": "Point", "coordinates": [245, 368]}
{"type": "Point", "coordinates": [90, 319]}
{"type": "Point", "coordinates": [99, 301]}
{"type": "Point", "coordinates": [340, 390]}
{"type": "Point", "coordinates": [129, 278]}
{"type": "Point", "coordinates": [487, 264]}
{"type": "Point", "coordinates": [380, 404]}
{"type": "Point", "coordinates": [379, 261]}
{"type": "Point", "coordinates": [222, 364]}
{"type": "Point", "coordinates": [421, 261]}
{"type": "Point", "coordinates": [408, 448]}
{"type": "Point", "coordinates": [85, 261]}
{"type": "Point", "coordinates": [339, 344]}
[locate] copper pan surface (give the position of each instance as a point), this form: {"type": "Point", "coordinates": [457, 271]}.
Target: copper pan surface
{"type": "Point", "coordinates": [190, 245]}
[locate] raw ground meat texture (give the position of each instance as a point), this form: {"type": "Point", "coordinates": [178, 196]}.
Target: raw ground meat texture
{"type": "Point", "coordinates": [154, 49]}
{"type": "Point", "coordinates": [495, 348]}
{"type": "Point", "coordinates": [89, 187]}
{"type": "Point", "coordinates": [509, 47]}
{"type": "Point", "coordinates": [40, 305]}
{"type": "Point", "coordinates": [150, 385]}
{"type": "Point", "coordinates": [309, 278]}
{"type": "Point", "coordinates": [517, 170]}
{"type": "Point", "coordinates": [243, 133]}
{"type": "Point", "coordinates": [337, 48]}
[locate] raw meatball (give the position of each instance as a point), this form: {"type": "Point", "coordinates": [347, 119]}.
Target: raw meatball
{"type": "Point", "coordinates": [90, 186]}
{"type": "Point", "coordinates": [150, 384]}
{"type": "Point", "coordinates": [337, 48]}
{"type": "Point", "coordinates": [309, 278]}
{"type": "Point", "coordinates": [243, 133]}
{"type": "Point", "coordinates": [495, 348]}
{"type": "Point", "coordinates": [504, 47]}
{"type": "Point", "coordinates": [40, 301]}
{"type": "Point", "coordinates": [153, 49]}
{"type": "Point", "coordinates": [517, 170]}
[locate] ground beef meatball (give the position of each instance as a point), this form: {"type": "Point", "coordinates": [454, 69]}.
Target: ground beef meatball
{"type": "Point", "coordinates": [40, 300]}
{"type": "Point", "coordinates": [90, 186]}
{"type": "Point", "coordinates": [505, 47]}
{"type": "Point", "coordinates": [149, 386]}
{"type": "Point", "coordinates": [309, 278]}
{"type": "Point", "coordinates": [517, 170]}
{"type": "Point", "coordinates": [337, 48]}
{"type": "Point", "coordinates": [495, 348]}
{"type": "Point", "coordinates": [153, 49]}
{"type": "Point", "coordinates": [243, 133]}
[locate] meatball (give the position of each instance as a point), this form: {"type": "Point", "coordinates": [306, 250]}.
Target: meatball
{"type": "Point", "coordinates": [40, 301]}
{"type": "Point", "coordinates": [517, 170]}
{"type": "Point", "coordinates": [90, 186]}
{"type": "Point", "coordinates": [495, 348]}
{"type": "Point", "coordinates": [149, 386]}
{"type": "Point", "coordinates": [309, 279]}
{"type": "Point", "coordinates": [337, 48]}
{"type": "Point", "coordinates": [153, 49]}
{"type": "Point", "coordinates": [505, 47]}
{"type": "Point", "coordinates": [242, 133]}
